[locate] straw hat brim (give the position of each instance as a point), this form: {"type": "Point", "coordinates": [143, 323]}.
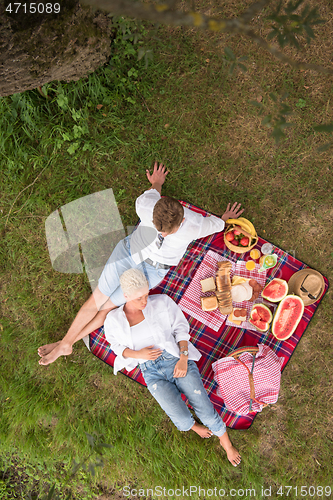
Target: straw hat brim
{"type": "Point", "coordinates": [297, 277]}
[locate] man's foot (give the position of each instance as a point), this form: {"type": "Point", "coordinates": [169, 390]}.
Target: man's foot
{"type": "Point", "coordinates": [202, 431]}
{"type": "Point", "coordinates": [47, 348]}
{"type": "Point", "coordinates": [232, 454]}
{"type": "Point", "coordinates": [59, 350]}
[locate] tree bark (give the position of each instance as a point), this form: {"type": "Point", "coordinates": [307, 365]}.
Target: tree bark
{"type": "Point", "coordinates": [38, 48]}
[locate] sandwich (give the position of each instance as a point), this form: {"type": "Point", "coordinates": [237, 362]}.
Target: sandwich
{"type": "Point", "coordinates": [209, 303]}
{"type": "Point", "coordinates": [208, 285]}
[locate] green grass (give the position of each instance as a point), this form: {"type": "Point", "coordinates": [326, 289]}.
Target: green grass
{"type": "Point", "coordinates": [190, 115]}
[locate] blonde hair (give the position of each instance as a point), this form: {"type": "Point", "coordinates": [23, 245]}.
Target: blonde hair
{"type": "Point", "coordinates": [132, 280]}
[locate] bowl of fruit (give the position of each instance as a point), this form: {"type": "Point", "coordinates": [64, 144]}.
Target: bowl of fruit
{"type": "Point", "coordinates": [240, 235]}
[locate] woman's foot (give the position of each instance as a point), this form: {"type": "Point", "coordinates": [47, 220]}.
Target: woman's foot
{"type": "Point", "coordinates": [47, 348]}
{"type": "Point", "coordinates": [202, 431]}
{"type": "Point", "coordinates": [60, 349]}
{"type": "Point", "coordinates": [232, 454]}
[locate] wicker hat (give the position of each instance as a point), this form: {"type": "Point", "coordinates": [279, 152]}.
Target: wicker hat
{"type": "Point", "coordinates": [307, 284]}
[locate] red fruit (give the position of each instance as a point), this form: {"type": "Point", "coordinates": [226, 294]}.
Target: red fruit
{"type": "Point", "coordinates": [236, 232]}
{"type": "Point", "coordinates": [235, 242]}
{"type": "Point", "coordinates": [254, 315]}
{"type": "Point", "coordinates": [276, 290]}
{"type": "Point", "coordinates": [229, 236]}
{"type": "Point", "coordinates": [287, 316]}
{"type": "Point", "coordinates": [260, 325]}
{"type": "Point", "coordinates": [244, 241]}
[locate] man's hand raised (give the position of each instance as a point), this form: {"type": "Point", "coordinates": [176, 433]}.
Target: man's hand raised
{"type": "Point", "coordinates": [158, 176]}
{"type": "Point", "coordinates": [232, 213]}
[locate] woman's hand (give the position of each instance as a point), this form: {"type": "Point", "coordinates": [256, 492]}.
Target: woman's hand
{"type": "Point", "coordinates": [180, 368]}
{"type": "Point", "coordinates": [232, 213]}
{"type": "Point", "coordinates": [149, 353]}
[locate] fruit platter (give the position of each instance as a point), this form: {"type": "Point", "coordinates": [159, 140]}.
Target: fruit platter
{"type": "Point", "coordinates": [240, 235]}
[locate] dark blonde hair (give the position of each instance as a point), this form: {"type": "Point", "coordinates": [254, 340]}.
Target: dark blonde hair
{"type": "Point", "coordinates": [168, 214]}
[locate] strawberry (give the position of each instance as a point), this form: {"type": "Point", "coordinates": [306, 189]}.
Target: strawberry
{"type": "Point", "coordinates": [229, 236]}
{"type": "Point", "coordinates": [244, 241]}
{"type": "Point", "coordinates": [235, 242]}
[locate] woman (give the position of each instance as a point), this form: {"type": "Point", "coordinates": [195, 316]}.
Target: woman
{"type": "Point", "coordinates": [153, 332]}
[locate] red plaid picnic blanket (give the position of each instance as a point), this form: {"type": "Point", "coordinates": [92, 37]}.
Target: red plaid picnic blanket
{"type": "Point", "coordinates": [213, 344]}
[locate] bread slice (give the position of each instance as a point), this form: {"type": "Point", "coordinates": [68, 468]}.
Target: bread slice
{"type": "Point", "coordinates": [223, 282]}
{"type": "Point", "coordinates": [225, 309]}
{"type": "Point", "coordinates": [223, 295]}
{"type": "Point", "coordinates": [224, 265]}
{"type": "Point", "coordinates": [208, 285]}
{"type": "Point", "coordinates": [223, 285]}
{"type": "Point", "coordinates": [209, 303]}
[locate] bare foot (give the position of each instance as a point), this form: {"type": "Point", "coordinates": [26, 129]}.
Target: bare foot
{"type": "Point", "coordinates": [59, 350]}
{"type": "Point", "coordinates": [232, 454]}
{"type": "Point", "coordinates": [47, 348]}
{"type": "Point", "coordinates": [202, 431]}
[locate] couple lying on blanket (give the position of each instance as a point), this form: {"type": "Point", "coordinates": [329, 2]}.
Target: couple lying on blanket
{"type": "Point", "coordinates": [159, 242]}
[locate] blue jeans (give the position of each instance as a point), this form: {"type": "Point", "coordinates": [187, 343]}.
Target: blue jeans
{"type": "Point", "coordinates": [167, 390]}
{"type": "Point", "coordinates": [119, 261]}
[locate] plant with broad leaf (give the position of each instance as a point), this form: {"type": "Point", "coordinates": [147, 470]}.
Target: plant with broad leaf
{"type": "Point", "coordinates": [88, 464]}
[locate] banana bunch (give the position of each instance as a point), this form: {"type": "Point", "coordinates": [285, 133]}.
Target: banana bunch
{"type": "Point", "coordinates": [244, 224]}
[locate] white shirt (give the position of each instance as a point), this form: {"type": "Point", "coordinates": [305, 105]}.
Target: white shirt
{"type": "Point", "coordinates": [142, 336]}
{"type": "Point", "coordinates": [166, 321]}
{"type": "Point", "coordinates": [144, 238]}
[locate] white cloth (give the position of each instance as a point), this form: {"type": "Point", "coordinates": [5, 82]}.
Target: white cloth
{"type": "Point", "coordinates": [166, 321]}
{"type": "Point", "coordinates": [142, 336]}
{"type": "Point", "coordinates": [144, 238]}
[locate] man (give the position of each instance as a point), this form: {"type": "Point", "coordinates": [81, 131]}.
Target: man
{"type": "Point", "coordinates": [165, 231]}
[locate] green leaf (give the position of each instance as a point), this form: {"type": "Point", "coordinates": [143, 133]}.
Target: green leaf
{"type": "Point", "coordinates": [62, 101]}
{"type": "Point", "coordinates": [229, 53]}
{"type": "Point", "coordinates": [72, 148]}
{"type": "Point", "coordinates": [232, 67]}
{"type": "Point", "coordinates": [301, 103]}
{"type": "Point", "coordinates": [273, 96]}
{"type": "Point", "coordinates": [66, 137]}
{"type": "Point", "coordinates": [91, 439]}
{"type": "Point", "coordinates": [266, 120]}
{"type": "Point", "coordinates": [256, 103]}
{"type": "Point", "coordinates": [78, 132]}
{"type": "Point", "coordinates": [325, 147]}
{"type": "Point", "coordinates": [92, 469]}
{"type": "Point", "coordinates": [277, 134]}
{"type": "Point", "coordinates": [87, 146]}
{"type": "Point", "coordinates": [141, 53]}
{"type": "Point", "coordinates": [285, 109]}
{"type": "Point", "coordinates": [328, 127]}
{"type": "Point", "coordinates": [242, 67]}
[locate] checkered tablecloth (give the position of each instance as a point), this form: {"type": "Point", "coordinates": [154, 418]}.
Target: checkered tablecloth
{"type": "Point", "coordinates": [233, 380]}
{"type": "Point", "coordinates": [190, 301]}
{"type": "Point", "coordinates": [213, 344]}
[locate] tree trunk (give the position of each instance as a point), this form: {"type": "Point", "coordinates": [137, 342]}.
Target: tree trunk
{"type": "Point", "coordinates": [38, 48]}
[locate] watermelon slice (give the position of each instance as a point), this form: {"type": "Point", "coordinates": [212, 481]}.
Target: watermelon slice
{"type": "Point", "coordinates": [263, 312]}
{"type": "Point", "coordinates": [254, 315]}
{"type": "Point", "coordinates": [275, 291]}
{"type": "Point", "coordinates": [260, 317]}
{"type": "Point", "coordinates": [260, 325]}
{"type": "Point", "coordinates": [287, 317]}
